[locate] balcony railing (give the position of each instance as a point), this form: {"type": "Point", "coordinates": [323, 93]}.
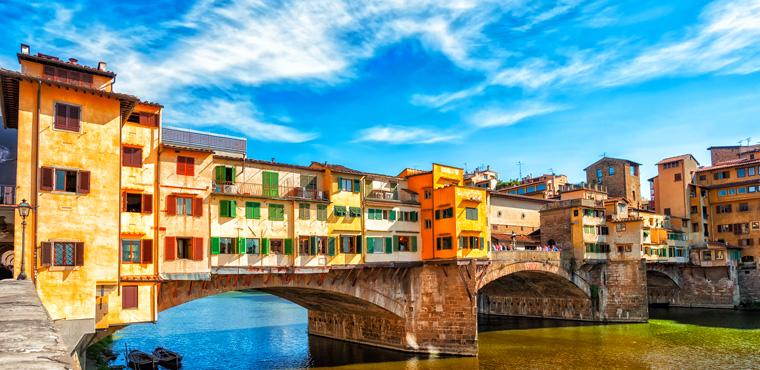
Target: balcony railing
{"type": "Point", "coordinates": [7, 194]}
{"type": "Point", "coordinates": [399, 196]}
{"type": "Point", "coordinates": [268, 191]}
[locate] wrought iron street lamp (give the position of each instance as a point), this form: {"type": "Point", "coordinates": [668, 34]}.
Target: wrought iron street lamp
{"type": "Point", "coordinates": [23, 210]}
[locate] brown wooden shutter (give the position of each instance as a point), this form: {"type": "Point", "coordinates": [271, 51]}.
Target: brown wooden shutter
{"type": "Point", "coordinates": [137, 157]}
{"type": "Point", "coordinates": [190, 167]}
{"type": "Point", "coordinates": [170, 248]}
{"type": "Point", "coordinates": [79, 253]}
{"type": "Point", "coordinates": [123, 201]}
{"type": "Point", "coordinates": [83, 182]}
{"type": "Point", "coordinates": [47, 253]}
{"type": "Point", "coordinates": [46, 181]}
{"type": "Point", "coordinates": [146, 251]}
{"type": "Point", "coordinates": [197, 207]}
{"type": "Point", "coordinates": [180, 165]}
{"type": "Point", "coordinates": [147, 203]}
{"type": "Point", "coordinates": [61, 117]}
{"type": "Point", "coordinates": [73, 118]}
{"type": "Point", "coordinates": [129, 296]}
{"type": "Point", "coordinates": [198, 252]}
{"type": "Point", "coordinates": [171, 205]}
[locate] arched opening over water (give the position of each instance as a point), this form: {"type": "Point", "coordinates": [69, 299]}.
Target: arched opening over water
{"type": "Point", "coordinates": [661, 288]}
{"type": "Point", "coordinates": [535, 293]}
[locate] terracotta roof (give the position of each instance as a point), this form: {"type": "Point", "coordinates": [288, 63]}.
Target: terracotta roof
{"type": "Point", "coordinates": [343, 169]}
{"type": "Point", "coordinates": [51, 60]}
{"type": "Point", "coordinates": [729, 164]}
{"type": "Point", "coordinates": [613, 159]}
{"type": "Point", "coordinates": [677, 158]}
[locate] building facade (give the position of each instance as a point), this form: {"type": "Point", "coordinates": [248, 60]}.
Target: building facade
{"type": "Point", "coordinates": [545, 186]}
{"type": "Point", "coordinates": [619, 176]}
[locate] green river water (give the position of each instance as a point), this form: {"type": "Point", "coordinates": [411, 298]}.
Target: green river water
{"type": "Point", "coordinates": [252, 330]}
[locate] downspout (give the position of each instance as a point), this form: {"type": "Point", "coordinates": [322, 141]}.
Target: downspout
{"type": "Point", "coordinates": [119, 208]}
{"type": "Point", "coordinates": [156, 218]}
{"type": "Point", "coordinates": [34, 188]}
{"type": "Point", "coordinates": [361, 219]}
{"type": "Point", "coordinates": [432, 217]}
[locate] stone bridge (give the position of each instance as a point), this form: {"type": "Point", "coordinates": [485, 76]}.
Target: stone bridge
{"type": "Point", "coordinates": [688, 285]}
{"type": "Point", "coordinates": [432, 306]}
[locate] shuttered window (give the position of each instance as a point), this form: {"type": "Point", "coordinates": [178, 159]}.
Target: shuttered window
{"type": "Point", "coordinates": [253, 210]}
{"type": "Point", "coordinates": [66, 117]}
{"type": "Point", "coordinates": [130, 251]}
{"type": "Point", "coordinates": [67, 76]}
{"type": "Point", "coordinates": [321, 212]}
{"type": "Point", "coordinates": [131, 157]}
{"type": "Point", "coordinates": [129, 297]}
{"type": "Point", "coordinates": [70, 181]}
{"type": "Point", "coordinates": [227, 208]}
{"type": "Point", "coordinates": [185, 166]}
{"type": "Point", "coordinates": [276, 212]}
{"type": "Point", "coordinates": [304, 211]}
{"type": "Point", "coordinates": [64, 253]}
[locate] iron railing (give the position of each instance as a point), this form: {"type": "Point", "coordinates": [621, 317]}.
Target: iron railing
{"type": "Point", "coordinates": [268, 191]}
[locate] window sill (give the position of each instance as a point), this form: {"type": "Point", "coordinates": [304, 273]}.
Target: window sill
{"type": "Point", "coordinates": [63, 268]}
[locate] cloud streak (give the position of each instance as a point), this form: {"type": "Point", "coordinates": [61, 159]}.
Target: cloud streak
{"type": "Point", "coordinates": [393, 134]}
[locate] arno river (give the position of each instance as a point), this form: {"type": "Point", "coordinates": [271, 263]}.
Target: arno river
{"type": "Point", "coordinates": [250, 330]}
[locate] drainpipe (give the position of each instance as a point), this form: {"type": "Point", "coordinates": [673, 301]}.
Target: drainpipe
{"type": "Point", "coordinates": [361, 217]}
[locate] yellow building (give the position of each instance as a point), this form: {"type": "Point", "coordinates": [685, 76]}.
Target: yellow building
{"type": "Point", "coordinates": [82, 151]}
{"type": "Point", "coordinates": [344, 213]}
{"type": "Point", "coordinates": [454, 217]}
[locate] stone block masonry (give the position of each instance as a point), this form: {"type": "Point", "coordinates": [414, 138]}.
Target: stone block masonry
{"type": "Point", "coordinates": [749, 288]}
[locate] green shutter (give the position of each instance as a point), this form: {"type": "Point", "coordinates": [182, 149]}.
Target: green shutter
{"type": "Point", "coordinates": [357, 186]}
{"type": "Point", "coordinates": [214, 245]}
{"type": "Point", "coordinates": [233, 174]}
{"type": "Point", "coordinates": [371, 213]}
{"type": "Point", "coordinates": [270, 184]}
{"type": "Point", "coordinates": [265, 246]}
{"type": "Point", "coordinates": [414, 216]}
{"type": "Point", "coordinates": [370, 245]}
{"type": "Point", "coordinates": [331, 246]}
{"type": "Point", "coordinates": [241, 245]}
{"type": "Point", "coordinates": [313, 245]}
{"type": "Point", "coordinates": [223, 208]}
{"type": "Point", "coordinates": [340, 184]}
{"type": "Point", "coordinates": [392, 215]}
{"type": "Point", "coordinates": [233, 208]}
{"type": "Point", "coordinates": [252, 210]}
{"type": "Point", "coordinates": [219, 170]}
{"type": "Point", "coordinates": [288, 246]}
{"type": "Point", "coordinates": [359, 244]}
{"type": "Point", "coordinates": [414, 243]}
{"type": "Point", "coordinates": [395, 242]}
{"type": "Point", "coordinates": [389, 245]}
{"type": "Point", "coordinates": [482, 243]}
{"type": "Point", "coordinates": [461, 242]}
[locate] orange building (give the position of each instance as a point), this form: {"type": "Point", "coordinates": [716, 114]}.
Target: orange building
{"type": "Point", "coordinates": [453, 217]}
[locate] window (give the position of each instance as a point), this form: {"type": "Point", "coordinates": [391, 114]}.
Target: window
{"type": "Point", "coordinates": [599, 174]}
{"type": "Point", "coordinates": [541, 187]}
{"type": "Point", "coordinates": [723, 208]}
{"type": "Point", "coordinates": [447, 212]}
{"type": "Point", "coordinates": [469, 242]}
{"type": "Point", "coordinates": [224, 175]}
{"type": "Point", "coordinates": [309, 182]}
{"type": "Point", "coordinates": [271, 184]}
{"type": "Point", "coordinates": [428, 223]}
{"type": "Point", "coordinates": [428, 193]}
{"type": "Point", "coordinates": [252, 246]}
{"type": "Point", "coordinates": [131, 157]}
{"type": "Point", "coordinates": [743, 207]}
{"type": "Point", "coordinates": [693, 210]}
{"type": "Point", "coordinates": [741, 172]}
{"type": "Point", "coordinates": [588, 229]}
{"type": "Point", "coordinates": [722, 193]}
{"type": "Point", "coordinates": [354, 212]}
{"type": "Point", "coordinates": [471, 213]}
{"type": "Point", "coordinates": [752, 189]}
{"type": "Point", "coordinates": [751, 171]}
{"type": "Point", "coordinates": [603, 230]}
{"type": "Point", "coordinates": [137, 203]}
{"type": "Point", "coordinates": [666, 211]}
{"type": "Point", "coordinates": [694, 227]}
{"type": "Point", "coordinates": [732, 191]}
{"type": "Point", "coordinates": [345, 184]}
{"type": "Point", "coordinates": [742, 190]}
{"type": "Point", "coordinates": [531, 189]}
{"type": "Point", "coordinates": [677, 177]}
{"type": "Point", "coordinates": [575, 213]}
{"type": "Point", "coordinates": [63, 254]}
{"type": "Point", "coordinates": [252, 210]}
{"type": "Point", "coordinates": [721, 175]}
{"type": "Point", "coordinates": [304, 211]}
{"type": "Point", "coordinates": [227, 208]}
{"type": "Point", "coordinates": [633, 170]}
{"type": "Point", "coordinates": [321, 212]}
{"type": "Point", "coordinates": [374, 214]}
{"type": "Point", "coordinates": [349, 244]}
{"type": "Point", "coordinates": [620, 227]}
{"type": "Point", "coordinates": [304, 246]}
{"type": "Point", "coordinates": [185, 166]}
{"type": "Point", "coordinates": [403, 243]}
{"type": "Point", "coordinates": [184, 206]}
{"type": "Point", "coordinates": [377, 245]}
{"type": "Point", "coordinates": [339, 211]}
{"type": "Point", "coordinates": [70, 181]}
{"type": "Point", "coordinates": [227, 246]}
{"type": "Point", "coordinates": [276, 212]}
{"type": "Point", "coordinates": [611, 171]}
{"type": "Point", "coordinates": [443, 243]}
{"type": "Point", "coordinates": [129, 297]}
{"type": "Point", "coordinates": [130, 251]}
{"type": "Point", "coordinates": [702, 177]}
{"type": "Point", "coordinates": [725, 228]}
{"type": "Point", "coordinates": [184, 248]}
{"type": "Point", "coordinates": [66, 117]}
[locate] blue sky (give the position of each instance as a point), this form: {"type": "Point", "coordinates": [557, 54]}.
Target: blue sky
{"type": "Point", "coordinates": [380, 86]}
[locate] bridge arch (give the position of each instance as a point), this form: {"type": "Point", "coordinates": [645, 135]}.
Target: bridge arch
{"type": "Point", "coordinates": [663, 285]}
{"type": "Point", "coordinates": [545, 268]}
{"type": "Point", "coordinates": [334, 291]}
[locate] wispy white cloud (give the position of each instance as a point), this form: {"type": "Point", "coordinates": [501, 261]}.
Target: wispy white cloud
{"type": "Point", "coordinates": [506, 116]}
{"type": "Point", "coordinates": [393, 134]}
{"type": "Point", "coordinates": [239, 116]}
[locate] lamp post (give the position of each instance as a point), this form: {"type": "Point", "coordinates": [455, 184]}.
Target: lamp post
{"type": "Point", "coordinates": [514, 241]}
{"type": "Point", "coordinates": [23, 210]}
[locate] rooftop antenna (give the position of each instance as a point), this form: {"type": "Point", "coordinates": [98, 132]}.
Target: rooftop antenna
{"type": "Point", "coordinates": [748, 139]}
{"type": "Point", "coordinates": [604, 154]}
{"type": "Point", "coordinates": [551, 171]}
{"type": "Point", "coordinates": [519, 168]}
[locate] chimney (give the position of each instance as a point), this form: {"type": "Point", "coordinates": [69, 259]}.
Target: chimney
{"type": "Point", "coordinates": [102, 66]}
{"type": "Point", "coordinates": [25, 49]}
{"type": "Point", "coordinates": [73, 60]}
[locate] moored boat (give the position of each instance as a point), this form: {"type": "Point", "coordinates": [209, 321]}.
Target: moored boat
{"type": "Point", "coordinates": [139, 360]}
{"type": "Point", "coordinates": [168, 359]}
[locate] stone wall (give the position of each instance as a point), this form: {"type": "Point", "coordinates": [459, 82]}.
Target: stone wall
{"type": "Point", "coordinates": [545, 307]}
{"type": "Point", "coordinates": [621, 291]}
{"type": "Point", "coordinates": [749, 287]}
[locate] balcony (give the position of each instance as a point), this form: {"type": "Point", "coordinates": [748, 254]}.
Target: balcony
{"type": "Point", "coordinates": [7, 195]}
{"type": "Point", "coordinates": [397, 196]}
{"type": "Point", "coordinates": [267, 191]}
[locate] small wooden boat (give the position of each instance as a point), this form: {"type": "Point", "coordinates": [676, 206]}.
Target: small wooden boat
{"type": "Point", "coordinates": [168, 359]}
{"type": "Point", "coordinates": [139, 360]}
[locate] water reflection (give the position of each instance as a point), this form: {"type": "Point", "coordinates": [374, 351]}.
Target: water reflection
{"type": "Point", "coordinates": [251, 330]}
